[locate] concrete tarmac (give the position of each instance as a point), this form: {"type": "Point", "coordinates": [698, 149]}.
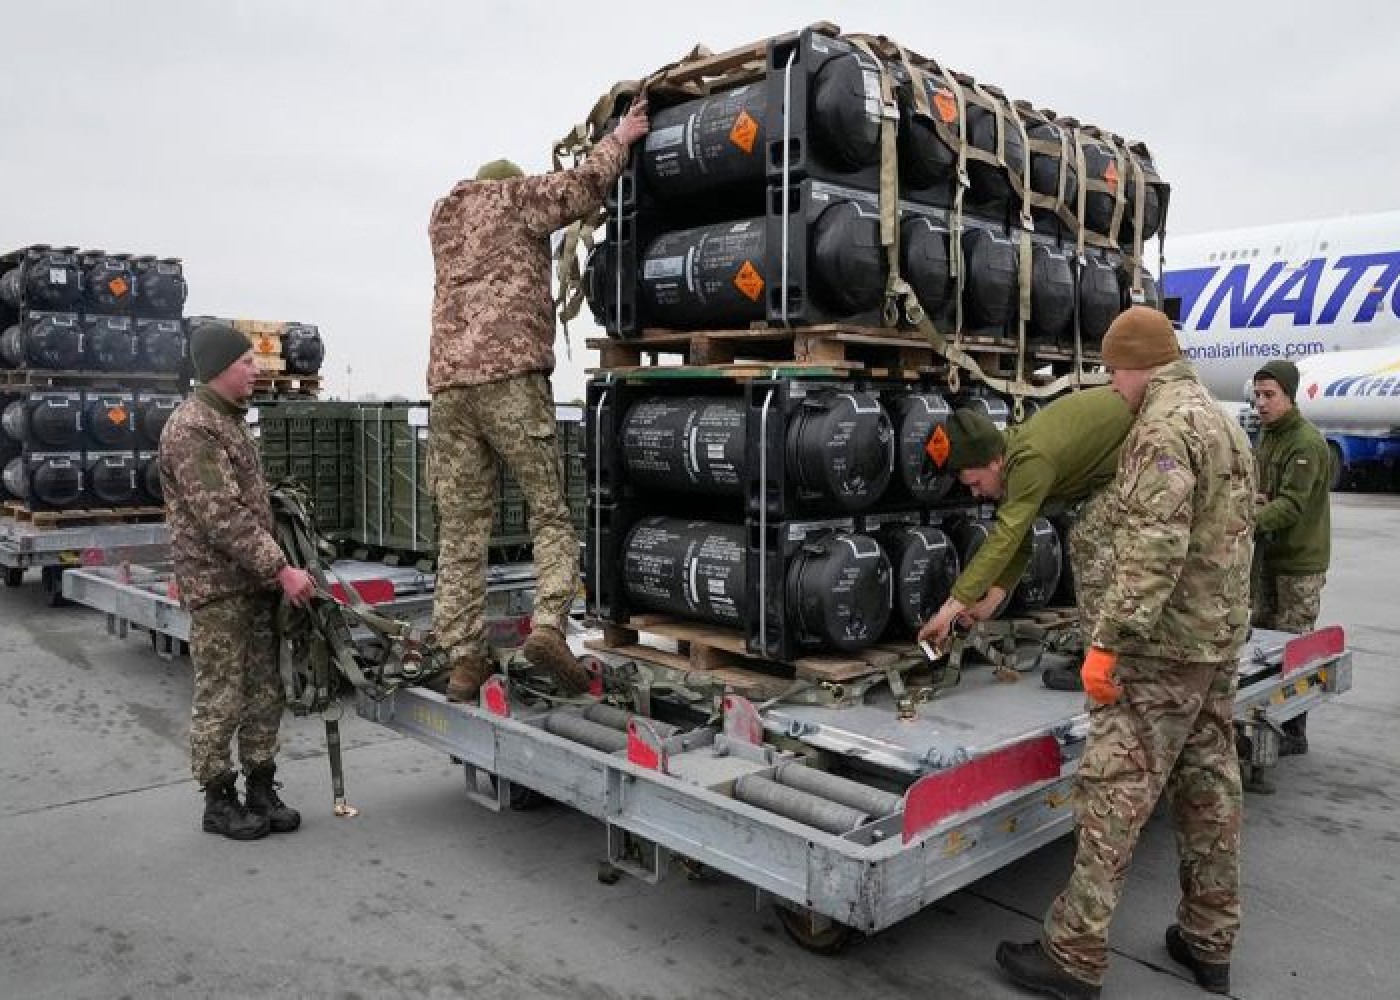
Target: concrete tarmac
{"type": "Point", "coordinates": [108, 889]}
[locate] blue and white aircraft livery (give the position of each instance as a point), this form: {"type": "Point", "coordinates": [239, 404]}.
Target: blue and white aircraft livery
{"type": "Point", "coordinates": [1293, 291]}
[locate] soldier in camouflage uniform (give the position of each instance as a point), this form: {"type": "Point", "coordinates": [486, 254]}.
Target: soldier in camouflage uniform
{"type": "Point", "coordinates": [491, 356]}
{"type": "Point", "coordinates": [1064, 455]}
{"type": "Point", "coordinates": [1162, 674]}
{"type": "Point", "coordinates": [229, 570]}
{"type": "Point", "coordinates": [1293, 521]}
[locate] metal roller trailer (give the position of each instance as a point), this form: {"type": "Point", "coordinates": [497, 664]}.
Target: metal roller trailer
{"type": "Point", "coordinates": [56, 549]}
{"type": "Point", "coordinates": [140, 596]}
{"type": "Point", "coordinates": [850, 817]}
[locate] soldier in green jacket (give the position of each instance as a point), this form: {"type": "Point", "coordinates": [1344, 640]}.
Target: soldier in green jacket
{"type": "Point", "coordinates": [1162, 674]}
{"type": "Point", "coordinates": [1293, 523]}
{"type": "Point", "coordinates": [1063, 455]}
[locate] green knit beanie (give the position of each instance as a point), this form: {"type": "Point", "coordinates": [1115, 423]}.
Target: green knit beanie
{"type": "Point", "coordinates": [1285, 373]}
{"type": "Point", "coordinates": [968, 440]}
{"type": "Point", "coordinates": [214, 346]}
{"type": "Point", "coordinates": [498, 170]}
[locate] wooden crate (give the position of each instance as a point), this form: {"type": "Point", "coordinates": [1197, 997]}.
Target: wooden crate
{"type": "Point", "coordinates": [86, 517]}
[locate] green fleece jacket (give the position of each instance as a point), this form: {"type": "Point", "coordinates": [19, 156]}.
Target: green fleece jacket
{"type": "Point", "coordinates": [1293, 527]}
{"type": "Point", "coordinates": [1063, 454]}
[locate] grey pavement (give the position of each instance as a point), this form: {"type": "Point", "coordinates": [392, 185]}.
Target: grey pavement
{"type": "Point", "coordinates": [109, 889]}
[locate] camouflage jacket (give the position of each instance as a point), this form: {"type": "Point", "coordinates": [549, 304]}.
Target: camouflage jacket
{"type": "Point", "coordinates": [1184, 529]}
{"type": "Point", "coordinates": [216, 502]}
{"type": "Point", "coordinates": [493, 315]}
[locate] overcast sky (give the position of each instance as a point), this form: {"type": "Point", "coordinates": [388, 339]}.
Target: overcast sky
{"type": "Point", "coordinates": [290, 151]}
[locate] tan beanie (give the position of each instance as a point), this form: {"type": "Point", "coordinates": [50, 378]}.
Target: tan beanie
{"type": "Point", "coordinates": [1141, 337]}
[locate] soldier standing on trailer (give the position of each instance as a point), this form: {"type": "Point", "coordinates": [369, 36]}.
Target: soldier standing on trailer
{"type": "Point", "coordinates": [490, 360]}
{"type": "Point", "coordinates": [1293, 525]}
{"type": "Point", "coordinates": [229, 569]}
{"type": "Point", "coordinates": [1162, 674]}
{"type": "Point", "coordinates": [1065, 454]}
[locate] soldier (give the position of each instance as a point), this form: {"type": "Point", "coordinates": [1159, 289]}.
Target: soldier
{"type": "Point", "coordinates": [490, 360]}
{"type": "Point", "coordinates": [1063, 455]}
{"type": "Point", "coordinates": [1293, 524]}
{"type": "Point", "coordinates": [229, 568]}
{"type": "Point", "coordinates": [1161, 674]}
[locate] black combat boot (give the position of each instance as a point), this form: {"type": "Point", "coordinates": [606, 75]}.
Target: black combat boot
{"type": "Point", "coordinates": [1031, 968]}
{"type": "Point", "coordinates": [224, 814]}
{"type": "Point", "coordinates": [1063, 678]}
{"type": "Point", "coordinates": [1213, 977]}
{"type": "Point", "coordinates": [264, 801]}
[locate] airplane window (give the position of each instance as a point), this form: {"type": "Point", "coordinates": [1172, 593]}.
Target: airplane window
{"type": "Point", "coordinates": [1323, 245]}
{"type": "Point", "coordinates": [1277, 251]}
{"type": "Point", "coordinates": [1212, 257]}
{"type": "Point", "coordinates": [1255, 253]}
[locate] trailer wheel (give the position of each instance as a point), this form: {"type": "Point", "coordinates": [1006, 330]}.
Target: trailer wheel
{"type": "Point", "coordinates": [816, 933]}
{"type": "Point", "coordinates": [14, 576]}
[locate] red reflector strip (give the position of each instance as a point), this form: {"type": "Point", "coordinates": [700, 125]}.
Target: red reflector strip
{"type": "Point", "coordinates": [1308, 649]}
{"type": "Point", "coordinates": [937, 796]}
{"type": "Point", "coordinates": [495, 696]}
{"type": "Point", "coordinates": [370, 591]}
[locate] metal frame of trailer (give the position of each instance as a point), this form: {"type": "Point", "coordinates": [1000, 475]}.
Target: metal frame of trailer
{"type": "Point", "coordinates": [54, 550]}
{"type": "Point", "coordinates": [988, 768]}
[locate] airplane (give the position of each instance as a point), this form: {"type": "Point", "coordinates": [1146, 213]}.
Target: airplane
{"type": "Point", "coordinates": [1246, 296]}
{"type": "Point", "coordinates": [1323, 294]}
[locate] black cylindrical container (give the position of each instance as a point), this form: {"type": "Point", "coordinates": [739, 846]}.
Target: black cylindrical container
{"type": "Point", "coordinates": [839, 591]}
{"type": "Point", "coordinates": [990, 285]}
{"type": "Point", "coordinates": [16, 479]}
{"type": "Point", "coordinates": [840, 445]}
{"type": "Point", "coordinates": [108, 419]}
{"type": "Point", "coordinates": [986, 402]}
{"type": "Point", "coordinates": [925, 160]}
{"type": "Point", "coordinates": [1100, 298]}
{"type": "Point", "coordinates": [915, 417]}
{"type": "Point", "coordinates": [152, 411]}
{"type": "Point", "coordinates": [47, 280]}
{"type": "Point", "coordinates": [710, 276]}
{"type": "Point", "coordinates": [925, 565]}
{"type": "Point", "coordinates": [47, 422]}
{"type": "Point", "coordinates": [54, 481]}
{"type": "Point", "coordinates": [45, 340]}
{"type": "Point", "coordinates": [112, 479]}
{"type": "Point", "coordinates": [109, 284]}
{"type": "Point", "coordinates": [1052, 291]}
{"type": "Point", "coordinates": [848, 265]}
{"type": "Point", "coordinates": [990, 183]}
{"type": "Point", "coordinates": [109, 343]}
{"type": "Point", "coordinates": [1151, 294]}
{"type": "Point", "coordinates": [695, 569]}
{"type": "Point", "coordinates": [15, 421]}
{"type": "Point", "coordinates": [149, 480]}
{"type": "Point", "coordinates": [694, 444]}
{"type": "Point", "coordinates": [302, 349]}
{"type": "Point", "coordinates": [714, 142]}
{"type": "Point", "coordinates": [161, 343]}
{"type": "Point", "coordinates": [1100, 162]}
{"type": "Point", "coordinates": [1041, 579]}
{"type": "Point", "coordinates": [160, 287]}
{"type": "Point", "coordinates": [923, 251]}
{"type": "Point", "coordinates": [1045, 171]}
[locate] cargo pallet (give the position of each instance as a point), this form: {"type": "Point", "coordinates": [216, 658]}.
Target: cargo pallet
{"type": "Point", "coordinates": [963, 785]}
{"type": "Point", "coordinates": [62, 546]}
{"type": "Point", "coordinates": [43, 378]}
{"type": "Point", "coordinates": [271, 387]}
{"type": "Point", "coordinates": [87, 516]}
{"type": "Point", "coordinates": [871, 351]}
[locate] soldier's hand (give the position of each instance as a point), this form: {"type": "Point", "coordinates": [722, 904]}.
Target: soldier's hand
{"type": "Point", "coordinates": [634, 123]}
{"type": "Point", "coordinates": [297, 585]}
{"type": "Point", "coordinates": [936, 629]}
{"type": "Point", "coordinates": [1097, 675]}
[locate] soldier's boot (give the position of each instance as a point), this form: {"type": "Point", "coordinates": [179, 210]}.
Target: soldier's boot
{"type": "Point", "coordinates": [1256, 780]}
{"type": "Point", "coordinates": [263, 799]}
{"type": "Point", "coordinates": [1063, 678]}
{"type": "Point", "coordinates": [547, 649]}
{"type": "Point", "coordinates": [468, 674]}
{"type": "Point", "coordinates": [1295, 737]}
{"type": "Point", "coordinates": [1031, 968]}
{"type": "Point", "coordinates": [224, 814]}
{"type": "Point", "coordinates": [1213, 977]}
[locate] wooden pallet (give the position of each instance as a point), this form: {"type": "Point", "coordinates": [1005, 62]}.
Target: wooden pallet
{"type": "Point", "coordinates": [33, 378]}
{"type": "Point", "coordinates": [723, 653]}
{"type": "Point", "coordinates": [871, 351]}
{"type": "Point", "coordinates": [286, 385]}
{"type": "Point", "coordinates": [87, 517]}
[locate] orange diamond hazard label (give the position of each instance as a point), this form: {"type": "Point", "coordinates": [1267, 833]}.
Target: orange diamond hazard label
{"type": "Point", "coordinates": [749, 281]}
{"type": "Point", "coordinates": [744, 132]}
{"type": "Point", "coordinates": [946, 105]}
{"type": "Point", "coordinates": [118, 287]}
{"type": "Point", "coordinates": [266, 345]}
{"type": "Point", "coordinates": [117, 415]}
{"type": "Point", "coordinates": [1110, 176]}
{"type": "Point", "coordinates": [938, 446]}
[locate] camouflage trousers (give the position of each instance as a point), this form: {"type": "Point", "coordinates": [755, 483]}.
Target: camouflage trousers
{"type": "Point", "coordinates": [471, 430]}
{"type": "Point", "coordinates": [1287, 603]}
{"type": "Point", "coordinates": [237, 685]}
{"type": "Point", "coordinates": [1172, 729]}
{"type": "Point", "coordinates": [1091, 557]}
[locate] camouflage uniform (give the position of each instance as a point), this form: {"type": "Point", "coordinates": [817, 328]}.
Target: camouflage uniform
{"type": "Point", "coordinates": [1176, 613]}
{"type": "Point", "coordinates": [226, 565]}
{"type": "Point", "coordinates": [491, 354]}
{"type": "Point", "coordinates": [1091, 556]}
{"type": "Point", "coordinates": [1288, 603]}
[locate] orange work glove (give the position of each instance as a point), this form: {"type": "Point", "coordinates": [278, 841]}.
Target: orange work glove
{"type": "Point", "coordinates": [1097, 674]}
